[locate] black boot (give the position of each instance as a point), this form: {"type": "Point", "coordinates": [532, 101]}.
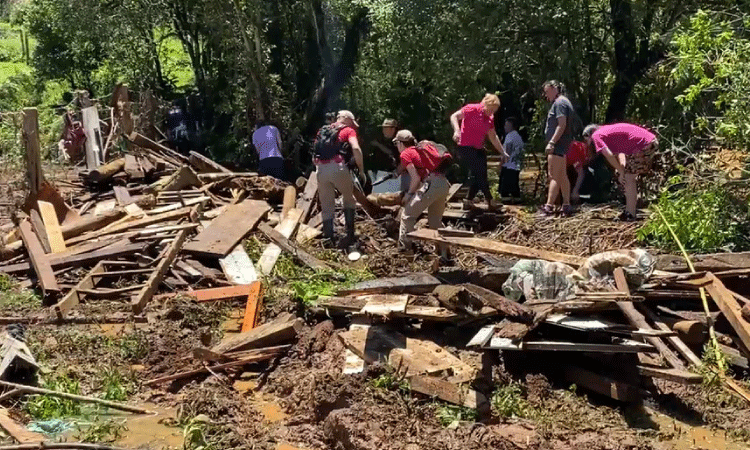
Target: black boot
{"type": "Point", "coordinates": [328, 231]}
{"type": "Point", "coordinates": [349, 214]}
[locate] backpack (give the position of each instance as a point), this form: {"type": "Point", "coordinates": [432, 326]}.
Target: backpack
{"type": "Point", "coordinates": [327, 145]}
{"type": "Point", "coordinates": [446, 158]}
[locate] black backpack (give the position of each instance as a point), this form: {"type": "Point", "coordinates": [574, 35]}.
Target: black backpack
{"type": "Point", "coordinates": [327, 145]}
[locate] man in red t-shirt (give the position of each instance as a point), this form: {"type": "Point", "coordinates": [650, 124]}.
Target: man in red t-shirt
{"type": "Point", "coordinates": [471, 125]}
{"type": "Point", "coordinates": [428, 188]}
{"type": "Point", "coordinates": [334, 174]}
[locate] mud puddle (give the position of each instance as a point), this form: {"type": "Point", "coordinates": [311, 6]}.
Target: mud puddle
{"type": "Point", "coordinates": [265, 404]}
{"type": "Point", "coordinates": [152, 431]}
{"type": "Point", "coordinates": [688, 437]}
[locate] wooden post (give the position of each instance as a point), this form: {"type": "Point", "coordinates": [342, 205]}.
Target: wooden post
{"type": "Point", "coordinates": [93, 137]}
{"type": "Point", "coordinates": [33, 151]}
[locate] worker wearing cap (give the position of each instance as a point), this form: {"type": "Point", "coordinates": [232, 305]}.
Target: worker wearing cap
{"type": "Point", "coordinates": [334, 174]}
{"type": "Point", "coordinates": [386, 146]}
{"type": "Point", "coordinates": [425, 163]}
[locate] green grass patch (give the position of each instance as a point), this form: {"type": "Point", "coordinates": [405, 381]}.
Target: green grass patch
{"type": "Point", "coordinates": [44, 407]}
{"type": "Point", "coordinates": [390, 381]}
{"type": "Point", "coordinates": [509, 401]}
{"type": "Point", "coordinates": [114, 385]}
{"type": "Point", "coordinates": [12, 296]}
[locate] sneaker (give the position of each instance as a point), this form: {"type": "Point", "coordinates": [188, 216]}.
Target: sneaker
{"type": "Point", "coordinates": [547, 210]}
{"type": "Point", "coordinates": [627, 217]}
{"type": "Point", "coordinates": [568, 210]}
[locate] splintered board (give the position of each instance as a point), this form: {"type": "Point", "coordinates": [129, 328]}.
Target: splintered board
{"type": "Point", "coordinates": [415, 356]}
{"type": "Point", "coordinates": [227, 230]}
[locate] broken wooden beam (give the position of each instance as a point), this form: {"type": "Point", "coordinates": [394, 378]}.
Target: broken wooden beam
{"type": "Point", "coordinates": [271, 253]}
{"type": "Point", "coordinates": [418, 283]}
{"type": "Point", "coordinates": [731, 309]}
{"type": "Point", "coordinates": [204, 164]}
{"type": "Point", "coordinates": [140, 301]}
{"type": "Point", "coordinates": [52, 226]}
{"type": "Point", "coordinates": [292, 248]}
{"type": "Point", "coordinates": [18, 431]}
{"type": "Point", "coordinates": [283, 329]}
{"type": "Point", "coordinates": [211, 369]}
{"type": "Point", "coordinates": [39, 260]}
{"type": "Point", "coordinates": [91, 223]}
{"type": "Point", "coordinates": [30, 134]}
{"type": "Point", "coordinates": [496, 247]}
{"type": "Point", "coordinates": [107, 171]}
{"type": "Point", "coordinates": [250, 319]}
{"type": "Point", "coordinates": [308, 198]}
{"type": "Point", "coordinates": [449, 392]}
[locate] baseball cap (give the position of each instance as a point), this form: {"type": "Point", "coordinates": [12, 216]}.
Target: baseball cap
{"type": "Point", "coordinates": [348, 115]}
{"type": "Point", "coordinates": [403, 136]}
{"type": "Point", "coordinates": [390, 123]}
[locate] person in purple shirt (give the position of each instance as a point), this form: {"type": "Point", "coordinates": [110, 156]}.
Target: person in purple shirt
{"type": "Point", "coordinates": [267, 142]}
{"type": "Point", "coordinates": [628, 148]}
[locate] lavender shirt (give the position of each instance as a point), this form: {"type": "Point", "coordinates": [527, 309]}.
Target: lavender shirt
{"type": "Point", "coordinates": [266, 141]}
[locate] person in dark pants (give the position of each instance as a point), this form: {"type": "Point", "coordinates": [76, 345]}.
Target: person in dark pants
{"type": "Point", "coordinates": [510, 171]}
{"type": "Point", "coordinates": [471, 125]}
{"type": "Point", "coordinates": [267, 142]}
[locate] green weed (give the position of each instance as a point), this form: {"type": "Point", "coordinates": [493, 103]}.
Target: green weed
{"type": "Point", "coordinates": [196, 435]}
{"type": "Point", "coordinates": [254, 248]}
{"type": "Point", "coordinates": [450, 414]}
{"type": "Point", "coordinates": [390, 381]}
{"type": "Point", "coordinates": [705, 218]}
{"type": "Point", "coordinates": [99, 430]}
{"type": "Point", "coordinates": [115, 385]}
{"type": "Point", "coordinates": [11, 296]}
{"type": "Point", "coordinates": [132, 346]}
{"type": "Point", "coordinates": [508, 401]}
{"type": "Point", "coordinates": [43, 407]}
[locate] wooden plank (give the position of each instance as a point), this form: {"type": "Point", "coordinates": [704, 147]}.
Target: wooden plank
{"type": "Point", "coordinates": [507, 308]}
{"type": "Point", "coordinates": [414, 356]}
{"type": "Point", "coordinates": [292, 248]}
{"type": "Point", "coordinates": [52, 226]}
{"type": "Point", "coordinates": [709, 263]}
{"type": "Point", "coordinates": [90, 223]}
{"type": "Point", "coordinates": [600, 384]}
{"type": "Point", "coordinates": [93, 144]}
{"type": "Point", "coordinates": [139, 223]}
{"type": "Point", "coordinates": [132, 168]}
{"type": "Point", "coordinates": [204, 164]}
{"type": "Point", "coordinates": [250, 319]}
{"type": "Point", "coordinates": [30, 135]}
{"type": "Point", "coordinates": [675, 375]}
{"type": "Point", "coordinates": [78, 260]}
{"type": "Point", "coordinates": [309, 197]}
{"type": "Point", "coordinates": [219, 293]}
{"type": "Point", "coordinates": [140, 301]}
{"type": "Point", "coordinates": [626, 346]}
{"type": "Point", "coordinates": [37, 224]}
{"type": "Point", "coordinates": [39, 260]}
{"type": "Point", "coordinates": [596, 324]}
{"type": "Point", "coordinates": [271, 253]}
{"type": "Point", "coordinates": [19, 432]}
{"type": "Point", "coordinates": [218, 367]}
{"type": "Point", "coordinates": [385, 305]}
{"type": "Point", "coordinates": [637, 320]}
{"type": "Point", "coordinates": [451, 232]}
{"type": "Point", "coordinates": [238, 267]}
{"type": "Point", "coordinates": [453, 190]}
{"type": "Point", "coordinates": [496, 247]}
{"type": "Point", "coordinates": [449, 392]}
{"type": "Point", "coordinates": [179, 204]}
{"type": "Point", "coordinates": [122, 195]}
{"type": "Point", "coordinates": [74, 297]}
{"type": "Point", "coordinates": [227, 230]}
{"type": "Point", "coordinates": [731, 309]}
{"type": "Point", "coordinates": [283, 329]}
{"type": "Point", "coordinates": [418, 283]}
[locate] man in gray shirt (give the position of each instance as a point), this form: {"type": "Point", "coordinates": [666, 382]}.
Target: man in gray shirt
{"type": "Point", "coordinates": [559, 136]}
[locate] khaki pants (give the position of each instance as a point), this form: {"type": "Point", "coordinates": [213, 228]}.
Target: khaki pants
{"type": "Point", "coordinates": [431, 196]}
{"type": "Point", "coordinates": [334, 176]}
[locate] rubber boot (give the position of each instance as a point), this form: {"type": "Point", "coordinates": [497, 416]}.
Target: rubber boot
{"type": "Point", "coordinates": [349, 215]}
{"type": "Point", "coordinates": [328, 231]}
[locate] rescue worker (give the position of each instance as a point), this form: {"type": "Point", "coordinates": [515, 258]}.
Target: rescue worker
{"type": "Point", "coordinates": [334, 147]}
{"type": "Point", "coordinates": [426, 163]}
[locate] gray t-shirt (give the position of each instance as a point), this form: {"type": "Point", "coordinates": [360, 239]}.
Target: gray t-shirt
{"type": "Point", "coordinates": [560, 107]}
{"type": "Point", "coordinates": [514, 148]}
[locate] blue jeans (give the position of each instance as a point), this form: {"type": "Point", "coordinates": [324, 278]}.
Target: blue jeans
{"type": "Point", "coordinates": [475, 160]}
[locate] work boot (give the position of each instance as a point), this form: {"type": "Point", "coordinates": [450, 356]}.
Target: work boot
{"type": "Point", "coordinates": [349, 214]}
{"type": "Point", "coordinates": [328, 232]}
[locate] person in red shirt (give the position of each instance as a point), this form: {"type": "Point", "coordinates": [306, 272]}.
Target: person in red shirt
{"type": "Point", "coordinates": [471, 125]}
{"type": "Point", "coordinates": [425, 162]}
{"type": "Point", "coordinates": [578, 156]}
{"type": "Point", "coordinates": [333, 174]}
{"type": "Point", "coordinates": [628, 148]}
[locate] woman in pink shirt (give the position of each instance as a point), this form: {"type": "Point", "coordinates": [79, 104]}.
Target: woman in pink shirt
{"type": "Point", "coordinates": [630, 149]}
{"type": "Point", "coordinates": [471, 125]}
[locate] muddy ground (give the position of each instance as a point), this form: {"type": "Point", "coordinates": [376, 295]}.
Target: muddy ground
{"type": "Point", "coordinates": [304, 401]}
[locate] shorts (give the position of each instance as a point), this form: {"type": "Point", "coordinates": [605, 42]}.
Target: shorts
{"type": "Point", "coordinates": [561, 150]}
{"type": "Point", "coordinates": [640, 163]}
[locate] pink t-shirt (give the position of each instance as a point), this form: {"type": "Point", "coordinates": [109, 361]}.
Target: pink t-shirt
{"type": "Point", "coordinates": [622, 138]}
{"type": "Point", "coordinates": [475, 125]}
